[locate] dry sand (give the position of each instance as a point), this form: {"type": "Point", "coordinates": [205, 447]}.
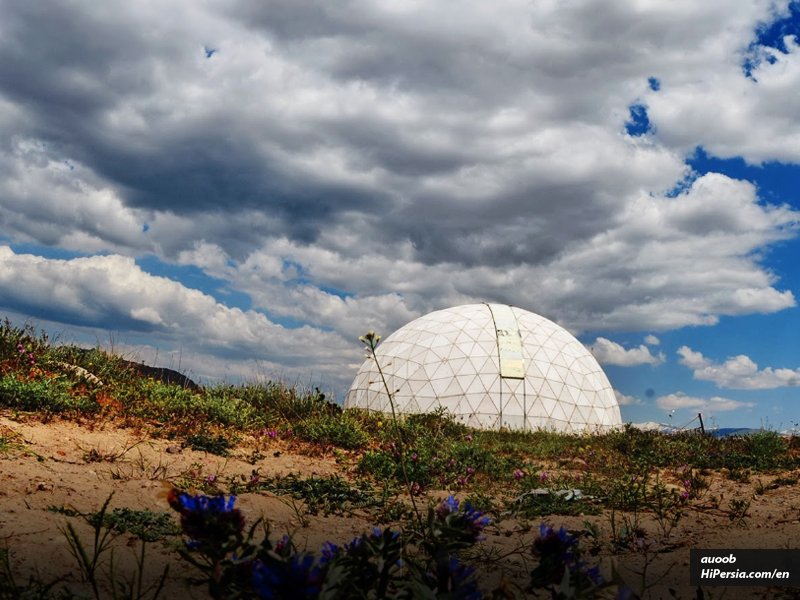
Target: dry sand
{"type": "Point", "coordinates": [63, 477]}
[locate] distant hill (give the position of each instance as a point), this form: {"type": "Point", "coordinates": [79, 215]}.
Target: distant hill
{"type": "Point", "coordinates": [723, 432]}
{"type": "Point", "coordinates": [653, 426]}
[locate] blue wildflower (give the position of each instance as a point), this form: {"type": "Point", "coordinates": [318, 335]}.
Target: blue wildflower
{"type": "Point", "coordinates": [476, 521]}
{"type": "Point", "coordinates": [594, 575]}
{"type": "Point", "coordinates": [463, 582]}
{"type": "Point", "coordinates": [558, 551]}
{"type": "Point", "coordinates": [547, 535]}
{"type": "Point", "coordinates": [447, 507]}
{"type": "Point", "coordinates": [354, 544]}
{"type": "Point", "coordinates": [297, 579]}
{"type": "Point", "coordinates": [329, 551]}
{"type": "Point", "coordinates": [624, 593]}
{"type": "Point", "coordinates": [209, 521]}
{"type": "Point", "coordinates": [377, 534]}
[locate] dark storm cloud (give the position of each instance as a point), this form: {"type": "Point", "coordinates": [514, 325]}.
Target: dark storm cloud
{"type": "Point", "coordinates": [72, 69]}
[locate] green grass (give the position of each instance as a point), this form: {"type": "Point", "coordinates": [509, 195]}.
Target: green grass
{"type": "Point", "coordinates": [10, 442]}
{"type": "Point", "coordinates": [146, 525]}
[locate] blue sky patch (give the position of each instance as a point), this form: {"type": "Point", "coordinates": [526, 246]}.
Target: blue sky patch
{"type": "Point", "coordinates": [639, 123]}
{"type": "Point", "coordinates": [194, 277]}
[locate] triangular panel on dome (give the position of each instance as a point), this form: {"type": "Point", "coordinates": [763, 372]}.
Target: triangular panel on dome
{"type": "Point", "coordinates": [484, 421]}
{"type": "Point", "coordinates": [557, 372]}
{"type": "Point", "coordinates": [478, 386]}
{"type": "Point", "coordinates": [558, 389]}
{"type": "Point", "coordinates": [459, 365]}
{"type": "Point", "coordinates": [572, 393]}
{"type": "Point", "coordinates": [512, 406]}
{"type": "Point", "coordinates": [515, 421]}
{"type": "Point", "coordinates": [546, 390]}
{"type": "Point", "coordinates": [466, 348]}
{"type": "Point", "coordinates": [451, 334]}
{"type": "Point", "coordinates": [573, 379]}
{"type": "Point", "coordinates": [439, 340]}
{"type": "Point", "coordinates": [486, 405]}
{"type": "Point", "coordinates": [562, 412]}
{"type": "Point", "coordinates": [453, 388]}
{"type": "Point", "coordinates": [544, 406]}
{"type": "Point", "coordinates": [427, 403]}
{"type": "Point", "coordinates": [534, 385]}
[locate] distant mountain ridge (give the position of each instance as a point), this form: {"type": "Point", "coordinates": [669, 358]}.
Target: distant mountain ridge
{"type": "Point", "coordinates": [725, 431]}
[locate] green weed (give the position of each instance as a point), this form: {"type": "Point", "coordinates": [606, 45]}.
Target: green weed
{"type": "Point", "coordinates": [202, 442]}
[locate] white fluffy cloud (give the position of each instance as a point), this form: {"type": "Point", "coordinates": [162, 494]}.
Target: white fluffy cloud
{"type": "Point", "coordinates": [737, 372]}
{"type": "Point", "coordinates": [624, 400]}
{"type": "Point", "coordinates": [731, 115]}
{"type": "Point", "coordinates": [610, 353]}
{"type": "Point", "coordinates": [651, 340]}
{"type": "Point", "coordinates": [714, 404]}
{"type": "Point", "coordinates": [114, 293]}
{"type": "Point", "coordinates": [62, 204]}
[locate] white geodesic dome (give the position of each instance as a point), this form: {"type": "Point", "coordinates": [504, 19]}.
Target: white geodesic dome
{"type": "Point", "coordinates": [491, 366]}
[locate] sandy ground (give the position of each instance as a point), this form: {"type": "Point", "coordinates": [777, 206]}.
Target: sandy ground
{"type": "Point", "coordinates": [54, 471]}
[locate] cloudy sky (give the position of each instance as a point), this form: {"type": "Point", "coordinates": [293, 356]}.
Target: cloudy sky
{"type": "Point", "coordinates": [241, 189]}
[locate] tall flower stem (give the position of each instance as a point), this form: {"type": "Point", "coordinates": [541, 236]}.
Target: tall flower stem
{"type": "Point", "coordinates": [371, 340]}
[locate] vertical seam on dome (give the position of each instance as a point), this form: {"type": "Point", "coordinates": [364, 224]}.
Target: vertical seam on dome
{"type": "Point", "coordinates": [499, 378]}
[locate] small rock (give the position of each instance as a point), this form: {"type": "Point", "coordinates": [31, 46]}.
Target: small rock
{"type": "Point", "coordinates": [173, 450]}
